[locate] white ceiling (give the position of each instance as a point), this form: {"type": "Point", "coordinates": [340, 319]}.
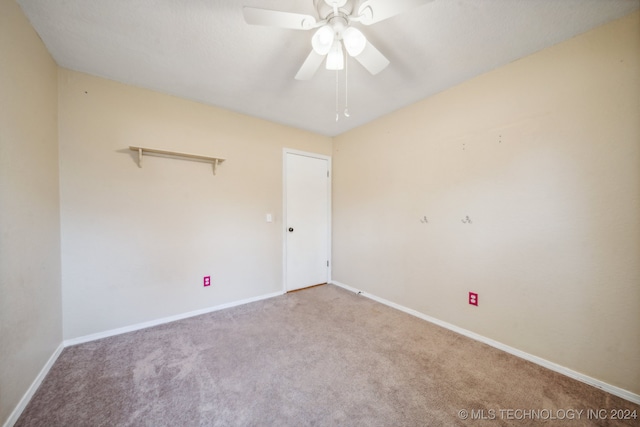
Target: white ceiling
{"type": "Point", "coordinates": [204, 51]}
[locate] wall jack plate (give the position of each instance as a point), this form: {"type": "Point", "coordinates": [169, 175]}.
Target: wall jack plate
{"type": "Point", "coordinates": [207, 280]}
{"type": "Point", "coordinates": [473, 298]}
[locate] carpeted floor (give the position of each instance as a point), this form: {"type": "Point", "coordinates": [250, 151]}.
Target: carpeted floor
{"type": "Point", "coordinates": [318, 357]}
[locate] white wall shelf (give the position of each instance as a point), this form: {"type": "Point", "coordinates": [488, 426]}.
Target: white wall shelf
{"type": "Point", "coordinates": [164, 153]}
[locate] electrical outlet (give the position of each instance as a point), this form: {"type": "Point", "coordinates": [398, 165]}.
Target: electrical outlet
{"type": "Point", "coordinates": [473, 298]}
{"type": "Point", "coordinates": [207, 280]}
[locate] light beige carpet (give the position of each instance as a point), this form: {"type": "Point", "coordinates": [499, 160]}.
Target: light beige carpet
{"type": "Point", "coordinates": [318, 357]}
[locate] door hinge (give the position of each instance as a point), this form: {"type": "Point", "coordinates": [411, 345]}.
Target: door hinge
{"type": "Point", "coordinates": [327, 263]}
{"type": "Point", "coordinates": [327, 174]}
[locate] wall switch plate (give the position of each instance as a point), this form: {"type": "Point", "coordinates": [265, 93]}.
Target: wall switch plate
{"type": "Point", "coordinates": [269, 217]}
{"type": "Point", "coordinates": [207, 280]}
{"type": "Point", "coordinates": [473, 298]}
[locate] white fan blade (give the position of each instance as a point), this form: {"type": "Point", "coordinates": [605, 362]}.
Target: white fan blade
{"type": "Point", "coordinates": [372, 11]}
{"type": "Point", "coordinates": [372, 59]}
{"type": "Point", "coordinates": [275, 18]}
{"type": "Point", "coordinates": [310, 66]}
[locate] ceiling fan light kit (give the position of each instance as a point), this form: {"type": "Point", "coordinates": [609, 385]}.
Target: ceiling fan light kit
{"type": "Point", "coordinates": [354, 41]}
{"type": "Point", "coordinates": [335, 57]}
{"type": "Point", "coordinates": [322, 40]}
{"type": "Point", "coordinates": [334, 29]}
{"type": "Point", "coordinates": [335, 18]}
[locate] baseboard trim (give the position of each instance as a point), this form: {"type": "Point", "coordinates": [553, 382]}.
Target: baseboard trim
{"type": "Point", "coordinates": [616, 391]}
{"type": "Point", "coordinates": [17, 411]}
{"type": "Point", "coordinates": [161, 321]}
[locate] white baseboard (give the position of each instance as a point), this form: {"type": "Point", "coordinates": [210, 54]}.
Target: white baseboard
{"type": "Point", "coordinates": [617, 391]}
{"type": "Point", "coordinates": [156, 322]}
{"type": "Point", "coordinates": [17, 411]}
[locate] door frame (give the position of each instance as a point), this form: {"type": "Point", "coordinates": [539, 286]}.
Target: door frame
{"type": "Point", "coordinates": [285, 153]}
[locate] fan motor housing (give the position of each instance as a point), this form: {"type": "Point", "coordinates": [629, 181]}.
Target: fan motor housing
{"type": "Point", "coordinates": [325, 8]}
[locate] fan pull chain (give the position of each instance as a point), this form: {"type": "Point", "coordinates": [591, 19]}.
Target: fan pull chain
{"type": "Point", "coordinates": [346, 86]}
{"type": "Point", "coordinates": [337, 113]}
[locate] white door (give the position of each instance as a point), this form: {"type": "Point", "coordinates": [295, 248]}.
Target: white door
{"type": "Point", "coordinates": [307, 209]}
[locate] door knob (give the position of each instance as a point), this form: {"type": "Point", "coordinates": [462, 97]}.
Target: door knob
{"type": "Point", "coordinates": [290, 229]}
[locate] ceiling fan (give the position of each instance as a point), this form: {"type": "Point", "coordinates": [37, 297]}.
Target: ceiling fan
{"type": "Point", "coordinates": [334, 30]}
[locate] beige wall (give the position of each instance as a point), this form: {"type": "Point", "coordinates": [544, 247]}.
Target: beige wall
{"type": "Point", "coordinates": [30, 302]}
{"type": "Point", "coordinates": [136, 242]}
{"type": "Point", "coordinates": [543, 155]}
